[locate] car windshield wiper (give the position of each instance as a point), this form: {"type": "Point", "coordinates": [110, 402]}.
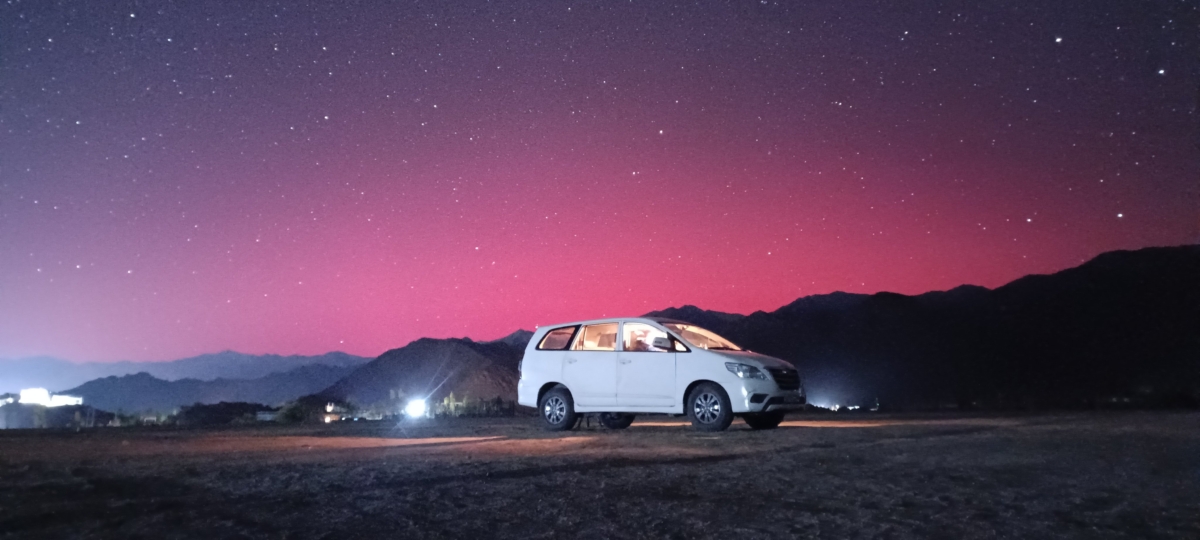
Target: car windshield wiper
{"type": "Point", "coordinates": [721, 348]}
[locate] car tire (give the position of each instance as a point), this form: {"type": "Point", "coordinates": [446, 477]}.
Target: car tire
{"type": "Point", "coordinates": [763, 420]}
{"type": "Point", "coordinates": [616, 420]}
{"type": "Point", "coordinates": [558, 409]}
{"type": "Point", "coordinates": [709, 408]}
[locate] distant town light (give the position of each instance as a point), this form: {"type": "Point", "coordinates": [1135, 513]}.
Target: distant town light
{"type": "Point", "coordinates": [43, 397]}
{"type": "Point", "coordinates": [35, 396]}
{"type": "Point", "coordinates": [57, 400]}
{"type": "Point", "coordinates": [415, 408]}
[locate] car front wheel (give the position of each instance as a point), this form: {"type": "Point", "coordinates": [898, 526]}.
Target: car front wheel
{"type": "Point", "coordinates": [708, 407]}
{"type": "Point", "coordinates": [558, 409]}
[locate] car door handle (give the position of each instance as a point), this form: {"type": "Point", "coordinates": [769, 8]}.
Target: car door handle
{"type": "Point", "coordinates": [625, 361]}
{"type": "Point", "coordinates": [570, 360]}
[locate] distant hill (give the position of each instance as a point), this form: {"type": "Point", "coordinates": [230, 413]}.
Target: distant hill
{"type": "Point", "coordinates": [142, 391]}
{"type": "Point", "coordinates": [1124, 325]}
{"type": "Point", "coordinates": [433, 368]}
{"type": "Point", "coordinates": [518, 339]}
{"type": "Point", "coordinates": [56, 374]}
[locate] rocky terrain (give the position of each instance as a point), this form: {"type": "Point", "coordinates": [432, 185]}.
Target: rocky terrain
{"type": "Point", "coordinates": [1127, 475]}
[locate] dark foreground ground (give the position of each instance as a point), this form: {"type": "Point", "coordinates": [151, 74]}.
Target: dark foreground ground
{"type": "Point", "coordinates": [1132, 475]}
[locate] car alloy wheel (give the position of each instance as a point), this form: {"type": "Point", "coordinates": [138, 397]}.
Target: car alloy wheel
{"type": "Point", "coordinates": [555, 410]}
{"type": "Point", "coordinates": [707, 408]}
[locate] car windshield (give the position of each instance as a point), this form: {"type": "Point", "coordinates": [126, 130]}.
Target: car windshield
{"type": "Point", "coordinates": [702, 338]}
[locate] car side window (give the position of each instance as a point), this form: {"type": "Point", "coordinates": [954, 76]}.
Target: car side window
{"type": "Point", "coordinates": [597, 337]}
{"type": "Point", "coordinates": [639, 337]}
{"type": "Point", "coordinates": [557, 339]}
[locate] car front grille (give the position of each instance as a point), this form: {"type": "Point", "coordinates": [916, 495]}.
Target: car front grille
{"type": "Point", "coordinates": [786, 379]}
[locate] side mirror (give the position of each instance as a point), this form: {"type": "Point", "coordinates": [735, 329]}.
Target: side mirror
{"type": "Point", "coordinates": [662, 343]}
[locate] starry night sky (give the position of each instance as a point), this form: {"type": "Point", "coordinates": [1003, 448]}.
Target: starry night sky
{"type": "Point", "coordinates": [185, 177]}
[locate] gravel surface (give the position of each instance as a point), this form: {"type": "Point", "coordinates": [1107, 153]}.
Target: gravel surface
{"type": "Point", "coordinates": [1128, 475]}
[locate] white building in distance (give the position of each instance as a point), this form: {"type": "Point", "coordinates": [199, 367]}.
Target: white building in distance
{"type": "Point", "coordinates": [43, 397]}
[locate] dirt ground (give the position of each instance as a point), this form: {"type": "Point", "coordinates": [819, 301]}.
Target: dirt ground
{"type": "Point", "coordinates": [1128, 475]}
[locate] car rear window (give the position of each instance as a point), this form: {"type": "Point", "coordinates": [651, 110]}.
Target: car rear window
{"type": "Point", "coordinates": [557, 339]}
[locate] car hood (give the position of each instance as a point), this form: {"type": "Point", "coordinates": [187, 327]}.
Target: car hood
{"type": "Point", "coordinates": [754, 359]}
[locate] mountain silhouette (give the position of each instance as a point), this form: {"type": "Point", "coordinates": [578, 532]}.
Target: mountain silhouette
{"type": "Point", "coordinates": [1122, 326]}
{"type": "Point", "coordinates": [433, 368]}
{"type": "Point", "coordinates": [1125, 325]}
{"type": "Point", "coordinates": [143, 392]}
{"type": "Point", "coordinates": [56, 374]}
{"type": "Point", "coordinates": [518, 339]}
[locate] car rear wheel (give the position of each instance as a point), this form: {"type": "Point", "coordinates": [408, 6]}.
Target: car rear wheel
{"type": "Point", "coordinates": [558, 409]}
{"type": "Point", "coordinates": [764, 420]}
{"type": "Point", "coordinates": [708, 407]}
{"type": "Point", "coordinates": [616, 420]}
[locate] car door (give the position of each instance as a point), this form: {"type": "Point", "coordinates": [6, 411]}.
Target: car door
{"type": "Point", "coordinates": [645, 373]}
{"type": "Point", "coordinates": [590, 366]}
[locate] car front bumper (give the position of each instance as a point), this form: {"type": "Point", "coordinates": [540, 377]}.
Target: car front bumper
{"type": "Point", "coordinates": [765, 396]}
{"type": "Point", "coordinates": [793, 401]}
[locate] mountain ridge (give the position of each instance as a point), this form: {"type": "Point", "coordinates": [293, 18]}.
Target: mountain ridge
{"type": "Point", "coordinates": [1062, 338]}
{"type": "Point", "coordinates": [1021, 344]}
{"type": "Point", "coordinates": [142, 391]}
{"type": "Point", "coordinates": [57, 374]}
{"type": "Point", "coordinates": [431, 369]}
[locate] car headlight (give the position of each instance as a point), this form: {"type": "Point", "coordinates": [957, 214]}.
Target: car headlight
{"type": "Point", "coordinates": [744, 371]}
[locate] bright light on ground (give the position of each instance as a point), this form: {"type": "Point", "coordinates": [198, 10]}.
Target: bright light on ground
{"type": "Point", "coordinates": [415, 408]}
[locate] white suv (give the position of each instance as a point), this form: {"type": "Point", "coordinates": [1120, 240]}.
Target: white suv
{"type": "Point", "coordinates": [623, 367]}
